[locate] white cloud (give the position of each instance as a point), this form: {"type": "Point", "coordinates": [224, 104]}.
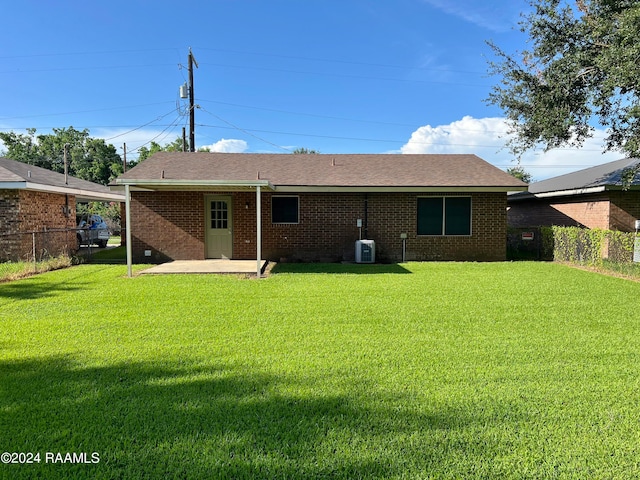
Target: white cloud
{"type": "Point", "coordinates": [487, 137]}
{"type": "Point", "coordinates": [228, 146]}
{"type": "Point", "coordinates": [497, 18]}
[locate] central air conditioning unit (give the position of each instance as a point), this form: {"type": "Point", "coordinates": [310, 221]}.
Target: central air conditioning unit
{"type": "Point", "coordinates": [365, 251]}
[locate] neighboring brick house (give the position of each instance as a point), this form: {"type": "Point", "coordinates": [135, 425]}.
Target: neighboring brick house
{"type": "Point", "coordinates": [34, 199]}
{"type": "Point", "coordinates": [592, 198]}
{"type": "Point", "coordinates": [206, 205]}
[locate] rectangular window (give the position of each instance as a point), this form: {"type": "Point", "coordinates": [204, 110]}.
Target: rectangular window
{"type": "Point", "coordinates": [444, 216]}
{"type": "Point", "coordinates": [285, 209]}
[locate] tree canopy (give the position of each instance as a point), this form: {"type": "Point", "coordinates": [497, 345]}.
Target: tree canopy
{"type": "Point", "coordinates": [582, 69]}
{"type": "Point", "coordinates": [520, 173]}
{"type": "Point", "coordinates": [144, 152]}
{"type": "Point", "coordinates": [87, 158]}
{"type": "Point", "coordinates": [305, 151]}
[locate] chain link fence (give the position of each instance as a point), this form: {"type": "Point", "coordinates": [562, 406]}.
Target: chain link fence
{"type": "Point", "coordinates": [27, 251]}
{"type": "Point", "coordinates": [532, 243]}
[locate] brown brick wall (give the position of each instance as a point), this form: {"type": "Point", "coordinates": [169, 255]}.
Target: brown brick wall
{"type": "Point", "coordinates": [625, 210]}
{"type": "Point", "coordinates": [609, 211]}
{"type": "Point", "coordinates": [593, 213]}
{"type": "Point", "coordinates": [10, 243]}
{"type": "Point", "coordinates": [171, 226]}
{"type": "Point", "coordinates": [168, 224]}
{"type": "Point", "coordinates": [22, 212]}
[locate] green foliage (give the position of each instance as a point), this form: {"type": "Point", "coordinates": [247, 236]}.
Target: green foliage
{"type": "Point", "coordinates": [592, 247]}
{"type": "Point", "coordinates": [520, 173]}
{"type": "Point", "coordinates": [583, 65]}
{"type": "Point", "coordinates": [87, 158]}
{"type": "Point", "coordinates": [445, 371]}
{"type": "Point", "coordinates": [548, 243]}
{"type": "Point", "coordinates": [107, 210]}
{"type": "Point", "coordinates": [539, 248]}
{"type": "Point", "coordinates": [304, 151]}
{"type": "Point", "coordinates": [144, 152]}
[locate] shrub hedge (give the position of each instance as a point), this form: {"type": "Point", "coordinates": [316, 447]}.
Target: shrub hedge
{"type": "Point", "coordinates": [592, 247]}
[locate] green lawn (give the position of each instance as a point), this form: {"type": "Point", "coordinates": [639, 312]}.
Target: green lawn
{"type": "Point", "coordinates": [434, 370]}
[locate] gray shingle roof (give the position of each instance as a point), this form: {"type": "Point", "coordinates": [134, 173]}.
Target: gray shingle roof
{"type": "Point", "coordinates": [37, 178]}
{"type": "Point", "coordinates": [607, 174]}
{"type": "Point", "coordinates": [325, 170]}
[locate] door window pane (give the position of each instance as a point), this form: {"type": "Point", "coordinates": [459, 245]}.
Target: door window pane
{"type": "Point", "coordinates": [219, 215]}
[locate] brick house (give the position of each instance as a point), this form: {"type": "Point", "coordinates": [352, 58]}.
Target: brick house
{"type": "Point", "coordinates": [287, 207]}
{"type": "Point", "coordinates": [590, 198]}
{"type": "Point", "coordinates": [34, 199]}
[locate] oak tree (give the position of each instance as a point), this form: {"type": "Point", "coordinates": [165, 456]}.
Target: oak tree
{"type": "Point", "coordinates": [582, 69]}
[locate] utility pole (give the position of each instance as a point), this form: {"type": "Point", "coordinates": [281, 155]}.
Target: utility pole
{"type": "Point", "coordinates": [66, 165]}
{"type": "Point", "coordinates": [124, 161]}
{"type": "Point", "coordinates": [192, 117]}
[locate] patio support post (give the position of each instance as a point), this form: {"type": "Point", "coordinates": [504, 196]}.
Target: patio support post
{"type": "Point", "coordinates": [258, 233]}
{"type": "Point", "coordinates": [127, 195]}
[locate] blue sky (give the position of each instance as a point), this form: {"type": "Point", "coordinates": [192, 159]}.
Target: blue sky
{"type": "Point", "coordinates": [349, 76]}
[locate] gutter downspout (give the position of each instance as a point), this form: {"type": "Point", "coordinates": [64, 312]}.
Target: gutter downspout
{"type": "Point", "coordinates": [127, 195]}
{"type": "Point", "coordinates": [258, 233]}
{"type": "Point", "coordinates": [366, 215]}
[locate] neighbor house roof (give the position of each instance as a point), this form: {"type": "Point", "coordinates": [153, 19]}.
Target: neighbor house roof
{"type": "Point", "coordinates": [319, 172]}
{"type": "Point", "coordinates": [21, 176]}
{"type": "Point", "coordinates": [608, 176]}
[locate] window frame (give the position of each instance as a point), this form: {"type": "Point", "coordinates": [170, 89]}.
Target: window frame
{"type": "Point", "coordinates": [297, 197]}
{"type": "Point", "coordinates": [443, 227]}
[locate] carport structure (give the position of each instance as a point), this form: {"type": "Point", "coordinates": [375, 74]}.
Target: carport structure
{"type": "Point", "coordinates": [217, 214]}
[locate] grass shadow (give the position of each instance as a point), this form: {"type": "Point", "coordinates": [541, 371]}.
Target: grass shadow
{"type": "Point", "coordinates": [110, 255]}
{"type": "Point", "coordinates": [346, 268]}
{"type": "Point", "coordinates": [40, 286]}
{"type": "Point", "coordinates": [188, 421]}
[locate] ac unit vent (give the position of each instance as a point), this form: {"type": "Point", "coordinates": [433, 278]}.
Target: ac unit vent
{"type": "Point", "coordinates": [365, 251]}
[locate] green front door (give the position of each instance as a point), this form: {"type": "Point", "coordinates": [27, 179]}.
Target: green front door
{"type": "Point", "coordinates": [219, 227]}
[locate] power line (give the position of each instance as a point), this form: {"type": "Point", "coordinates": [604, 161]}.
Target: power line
{"type": "Point", "coordinates": [314, 115]}
{"type": "Point", "coordinates": [82, 111]}
{"type": "Point", "coordinates": [357, 77]}
{"type": "Point", "coordinates": [247, 132]}
{"type": "Point", "coordinates": [144, 125]}
{"type": "Point", "coordinates": [345, 62]}
{"type": "Point", "coordinates": [92, 53]}
{"type": "Point", "coordinates": [78, 69]}
{"type": "Point", "coordinates": [360, 139]}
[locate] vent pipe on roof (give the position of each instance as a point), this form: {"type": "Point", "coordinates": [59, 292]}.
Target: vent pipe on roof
{"type": "Point", "coordinates": [162, 174]}
{"type": "Point", "coordinates": [333, 162]}
{"type": "Point", "coordinates": [28, 173]}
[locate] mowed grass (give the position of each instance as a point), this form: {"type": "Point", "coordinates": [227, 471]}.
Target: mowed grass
{"type": "Point", "coordinates": [434, 370]}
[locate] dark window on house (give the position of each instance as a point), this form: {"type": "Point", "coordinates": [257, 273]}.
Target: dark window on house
{"type": "Point", "coordinates": [444, 216]}
{"type": "Point", "coordinates": [284, 209]}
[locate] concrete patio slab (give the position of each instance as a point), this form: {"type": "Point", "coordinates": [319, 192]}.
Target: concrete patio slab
{"type": "Point", "coordinates": [207, 266]}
